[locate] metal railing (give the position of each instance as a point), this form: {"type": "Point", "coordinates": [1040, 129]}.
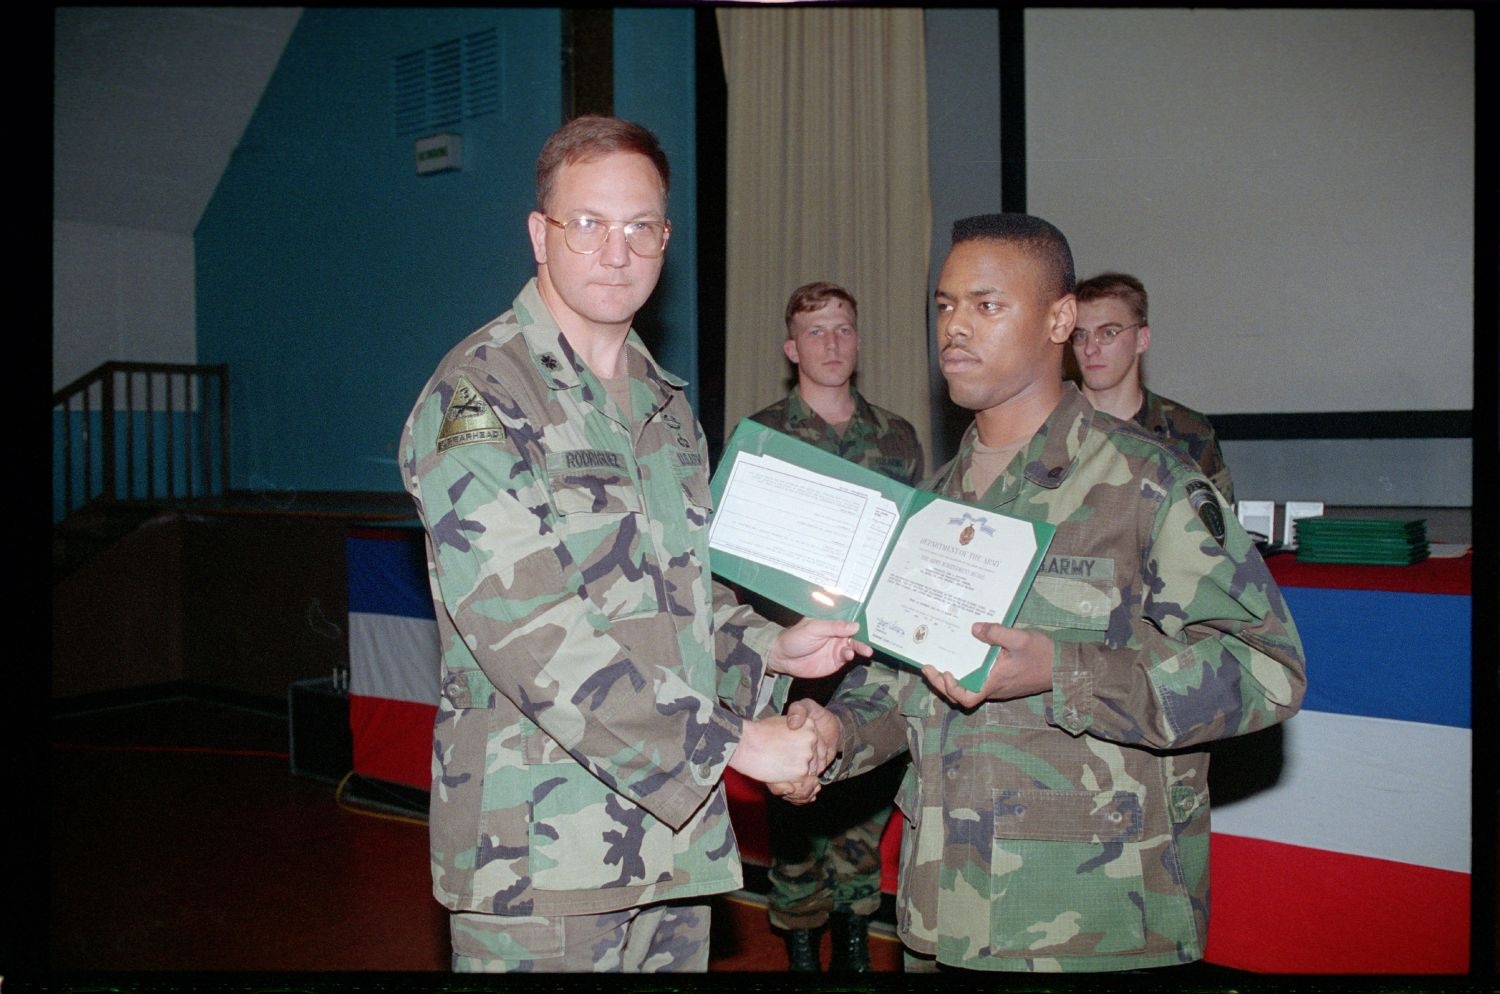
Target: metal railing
{"type": "Point", "coordinates": [140, 432]}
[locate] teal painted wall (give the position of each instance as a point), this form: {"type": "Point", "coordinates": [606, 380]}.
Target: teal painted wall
{"type": "Point", "coordinates": [654, 85]}
{"type": "Point", "coordinates": [332, 278]}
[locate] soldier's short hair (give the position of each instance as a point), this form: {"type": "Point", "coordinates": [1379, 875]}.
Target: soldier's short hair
{"type": "Point", "coordinates": [1039, 239]}
{"type": "Point", "coordinates": [593, 136]}
{"type": "Point", "coordinates": [1122, 286]}
{"type": "Point", "coordinates": [811, 296]}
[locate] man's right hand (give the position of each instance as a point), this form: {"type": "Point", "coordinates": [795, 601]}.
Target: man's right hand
{"type": "Point", "coordinates": [772, 750]}
{"type": "Point", "coordinates": [830, 732]}
{"type": "Point", "coordinates": [810, 713]}
{"type": "Point", "coordinates": [803, 791]}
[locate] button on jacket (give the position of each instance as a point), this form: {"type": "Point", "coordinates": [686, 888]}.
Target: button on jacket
{"type": "Point", "coordinates": [594, 678]}
{"type": "Point", "coordinates": [1069, 830]}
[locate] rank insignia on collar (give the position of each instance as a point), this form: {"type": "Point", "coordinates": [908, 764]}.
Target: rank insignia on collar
{"type": "Point", "coordinates": [1206, 503]}
{"type": "Point", "coordinates": [550, 361]}
{"type": "Point", "coordinates": [468, 418]}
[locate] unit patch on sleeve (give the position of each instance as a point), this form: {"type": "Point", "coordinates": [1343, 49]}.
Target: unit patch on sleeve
{"type": "Point", "coordinates": [1206, 504]}
{"type": "Point", "coordinates": [468, 418]}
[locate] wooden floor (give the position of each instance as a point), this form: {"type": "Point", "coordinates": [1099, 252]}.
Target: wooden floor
{"type": "Point", "coordinates": [183, 842]}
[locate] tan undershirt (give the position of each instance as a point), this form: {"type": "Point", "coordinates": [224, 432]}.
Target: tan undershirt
{"type": "Point", "coordinates": [618, 388]}
{"type": "Point", "coordinates": [989, 462]}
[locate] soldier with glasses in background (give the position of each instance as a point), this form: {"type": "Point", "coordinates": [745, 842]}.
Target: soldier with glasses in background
{"type": "Point", "coordinates": [1111, 337]}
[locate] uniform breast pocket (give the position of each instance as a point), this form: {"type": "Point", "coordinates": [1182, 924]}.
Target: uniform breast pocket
{"type": "Point", "coordinates": [599, 518]}
{"type": "Point", "coordinates": [1056, 602]}
{"type": "Point", "coordinates": [698, 501]}
{"type": "Point", "coordinates": [1066, 875]}
{"type": "Point", "coordinates": [593, 491]}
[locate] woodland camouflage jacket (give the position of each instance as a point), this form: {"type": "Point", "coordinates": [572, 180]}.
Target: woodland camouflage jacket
{"type": "Point", "coordinates": [594, 678]}
{"type": "Point", "coordinates": [1069, 830]}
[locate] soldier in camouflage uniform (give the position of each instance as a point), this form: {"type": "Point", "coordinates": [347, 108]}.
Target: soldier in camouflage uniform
{"type": "Point", "coordinates": [595, 683]}
{"type": "Point", "coordinates": [826, 859]}
{"type": "Point", "coordinates": [1058, 819]}
{"type": "Point", "coordinates": [824, 408]}
{"type": "Point", "coordinates": [1111, 337]}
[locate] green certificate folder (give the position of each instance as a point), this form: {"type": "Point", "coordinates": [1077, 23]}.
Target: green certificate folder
{"type": "Point", "coordinates": [832, 539]}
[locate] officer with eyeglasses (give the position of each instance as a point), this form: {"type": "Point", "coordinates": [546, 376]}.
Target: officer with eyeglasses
{"type": "Point", "coordinates": [1111, 337]}
{"type": "Point", "coordinates": [595, 681]}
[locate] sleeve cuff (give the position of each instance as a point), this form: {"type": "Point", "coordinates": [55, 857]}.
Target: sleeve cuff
{"type": "Point", "coordinates": [709, 756]}
{"type": "Point", "coordinates": [843, 763]}
{"type": "Point", "coordinates": [759, 639]}
{"type": "Point", "coordinates": [770, 699]}
{"type": "Point", "coordinates": [674, 796]}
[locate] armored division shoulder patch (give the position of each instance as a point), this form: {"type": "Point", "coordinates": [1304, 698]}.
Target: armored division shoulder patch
{"type": "Point", "coordinates": [1206, 504]}
{"type": "Point", "coordinates": [468, 418]}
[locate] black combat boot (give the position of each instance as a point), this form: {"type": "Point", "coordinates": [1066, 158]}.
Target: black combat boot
{"type": "Point", "coordinates": [802, 951]}
{"type": "Point", "coordinates": [851, 950]}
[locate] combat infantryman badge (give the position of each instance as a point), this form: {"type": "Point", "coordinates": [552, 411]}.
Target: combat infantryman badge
{"type": "Point", "coordinates": [468, 418]}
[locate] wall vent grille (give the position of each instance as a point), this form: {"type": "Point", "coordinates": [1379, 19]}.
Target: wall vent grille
{"type": "Point", "coordinates": [439, 86]}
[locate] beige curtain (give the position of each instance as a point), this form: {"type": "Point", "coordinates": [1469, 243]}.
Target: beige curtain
{"type": "Point", "coordinates": [827, 179]}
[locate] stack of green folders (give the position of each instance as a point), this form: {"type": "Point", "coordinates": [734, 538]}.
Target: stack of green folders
{"type": "Point", "coordinates": [1363, 541]}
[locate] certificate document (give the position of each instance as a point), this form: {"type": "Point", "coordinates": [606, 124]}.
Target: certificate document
{"type": "Point", "coordinates": [832, 539]}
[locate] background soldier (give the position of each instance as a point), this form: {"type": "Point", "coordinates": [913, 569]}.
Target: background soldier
{"type": "Point", "coordinates": [826, 859]}
{"type": "Point", "coordinates": [595, 682]}
{"type": "Point", "coordinates": [1111, 337]}
{"type": "Point", "coordinates": [1057, 820]}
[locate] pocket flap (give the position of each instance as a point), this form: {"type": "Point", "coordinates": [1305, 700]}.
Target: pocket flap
{"type": "Point", "coordinates": [1058, 602]}
{"type": "Point", "coordinates": [1067, 816]}
{"type": "Point", "coordinates": [695, 487]}
{"type": "Point", "coordinates": [467, 689]}
{"type": "Point", "coordinates": [591, 481]}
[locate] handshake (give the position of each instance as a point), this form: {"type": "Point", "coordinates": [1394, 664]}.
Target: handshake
{"type": "Point", "coordinates": [789, 751]}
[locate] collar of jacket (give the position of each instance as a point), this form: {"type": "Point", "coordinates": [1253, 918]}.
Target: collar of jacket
{"type": "Point", "coordinates": [1052, 454]}
{"type": "Point", "coordinates": [797, 411]}
{"type": "Point", "coordinates": [1053, 450]}
{"type": "Point", "coordinates": [1152, 409]}
{"type": "Point", "coordinates": [558, 365]}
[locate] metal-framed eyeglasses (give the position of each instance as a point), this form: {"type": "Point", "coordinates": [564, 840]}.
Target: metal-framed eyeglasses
{"type": "Point", "coordinates": [1102, 335]}
{"type": "Point", "coordinates": [587, 235]}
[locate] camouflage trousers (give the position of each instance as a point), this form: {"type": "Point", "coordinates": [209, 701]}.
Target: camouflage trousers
{"type": "Point", "coordinates": [825, 856]}
{"type": "Point", "coordinates": [658, 938]}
